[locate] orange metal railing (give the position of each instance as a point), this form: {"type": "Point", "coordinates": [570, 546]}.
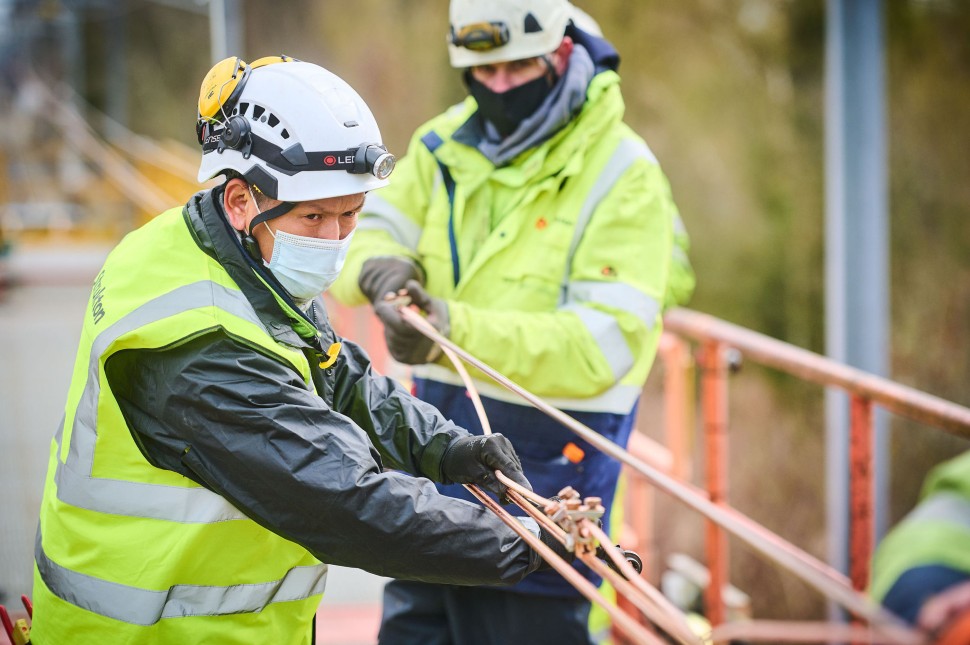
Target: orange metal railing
{"type": "Point", "coordinates": [716, 340]}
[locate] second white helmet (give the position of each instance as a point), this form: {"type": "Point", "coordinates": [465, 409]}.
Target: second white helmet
{"type": "Point", "coordinates": [294, 130]}
{"type": "Point", "coordinates": [494, 31]}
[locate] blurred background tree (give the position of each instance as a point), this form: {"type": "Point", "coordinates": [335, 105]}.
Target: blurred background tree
{"type": "Point", "coordinates": [729, 95]}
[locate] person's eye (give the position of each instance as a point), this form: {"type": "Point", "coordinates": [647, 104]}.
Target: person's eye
{"type": "Point", "coordinates": [312, 217]}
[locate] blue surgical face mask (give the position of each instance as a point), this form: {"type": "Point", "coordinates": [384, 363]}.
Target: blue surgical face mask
{"type": "Point", "coordinates": [306, 266]}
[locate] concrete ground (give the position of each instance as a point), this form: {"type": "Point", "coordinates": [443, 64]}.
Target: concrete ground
{"type": "Point", "coordinates": [40, 322]}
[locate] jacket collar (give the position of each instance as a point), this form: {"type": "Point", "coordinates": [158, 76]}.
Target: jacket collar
{"type": "Point", "coordinates": [558, 156]}
{"type": "Point", "coordinates": [283, 320]}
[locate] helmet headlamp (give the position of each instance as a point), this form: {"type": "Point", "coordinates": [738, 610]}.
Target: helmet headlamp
{"type": "Point", "coordinates": [374, 159]}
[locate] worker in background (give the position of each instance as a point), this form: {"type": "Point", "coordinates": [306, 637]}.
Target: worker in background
{"type": "Point", "coordinates": [220, 444]}
{"type": "Point", "coordinates": [921, 570]}
{"type": "Point", "coordinates": [538, 232]}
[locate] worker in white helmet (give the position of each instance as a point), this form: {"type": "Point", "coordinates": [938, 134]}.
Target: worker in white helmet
{"type": "Point", "coordinates": [538, 232]}
{"type": "Point", "coordinates": [221, 445]}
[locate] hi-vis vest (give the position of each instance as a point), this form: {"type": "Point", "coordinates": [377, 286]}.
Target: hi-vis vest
{"type": "Point", "coordinates": [129, 553]}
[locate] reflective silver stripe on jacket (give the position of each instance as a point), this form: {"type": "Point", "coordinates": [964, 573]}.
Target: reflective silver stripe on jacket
{"type": "Point", "coordinates": [679, 256]}
{"type": "Point", "coordinates": [948, 507]}
{"type": "Point", "coordinates": [619, 399]}
{"type": "Point", "coordinates": [602, 326]}
{"type": "Point", "coordinates": [77, 487]}
{"type": "Point", "coordinates": [679, 228]}
{"type": "Point", "coordinates": [627, 152]}
{"type": "Point", "coordinates": [617, 295]}
{"type": "Point", "coordinates": [608, 336]}
{"type": "Point", "coordinates": [380, 215]}
{"type": "Point", "coordinates": [146, 607]}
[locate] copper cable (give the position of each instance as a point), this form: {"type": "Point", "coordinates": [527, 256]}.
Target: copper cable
{"type": "Point", "coordinates": [543, 520]}
{"type": "Point", "coordinates": [667, 617]}
{"type": "Point", "coordinates": [673, 621]}
{"type": "Point", "coordinates": [624, 622]}
{"type": "Point", "coordinates": [767, 543]}
{"type": "Point", "coordinates": [780, 631]}
{"type": "Point", "coordinates": [653, 605]}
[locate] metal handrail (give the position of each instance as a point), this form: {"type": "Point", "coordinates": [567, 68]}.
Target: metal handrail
{"type": "Point", "coordinates": [894, 397]}
{"type": "Point", "coordinates": [715, 338]}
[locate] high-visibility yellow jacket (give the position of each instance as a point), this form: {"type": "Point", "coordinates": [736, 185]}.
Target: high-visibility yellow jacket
{"type": "Point", "coordinates": [213, 456]}
{"type": "Point", "coordinates": [564, 258]}
{"type": "Point", "coordinates": [929, 550]}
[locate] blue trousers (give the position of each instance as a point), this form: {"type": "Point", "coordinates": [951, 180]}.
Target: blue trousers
{"type": "Point", "coordinates": [917, 585]}
{"type": "Point", "coordinates": [417, 613]}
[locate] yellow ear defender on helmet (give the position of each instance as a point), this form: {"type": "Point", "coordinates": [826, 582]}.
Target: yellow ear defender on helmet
{"type": "Point", "coordinates": [222, 87]}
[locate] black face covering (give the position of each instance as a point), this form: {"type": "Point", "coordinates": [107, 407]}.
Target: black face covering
{"type": "Point", "coordinates": [506, 110]}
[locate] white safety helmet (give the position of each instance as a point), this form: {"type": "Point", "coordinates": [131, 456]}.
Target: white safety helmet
{"type": "Point", "coordinates": [295, 131]}
{"type": "Point", "coordinates": [495, 31]}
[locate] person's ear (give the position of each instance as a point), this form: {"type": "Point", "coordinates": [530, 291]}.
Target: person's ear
{"type": "Point", "coordinates": [562, 54]}
{"type": "Point", "coordinates": [235, 202]}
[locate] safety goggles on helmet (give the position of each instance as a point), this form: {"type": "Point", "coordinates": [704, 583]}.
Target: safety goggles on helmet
{"type": "Point", "coordinates": [296, 131]}
{"type": "Point", "coordinates": [481, 36]}
{"type": "Point", "coordinates": [494, 31]}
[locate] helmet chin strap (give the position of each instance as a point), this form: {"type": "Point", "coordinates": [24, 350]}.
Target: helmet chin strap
{"type": "Point", "coordinates": [264, 216]}
{"type": "Point", "coordinates": [249, 242]}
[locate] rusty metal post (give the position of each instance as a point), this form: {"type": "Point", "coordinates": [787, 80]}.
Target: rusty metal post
{"type": "Point", "coordinates": [676, 359]}
{"type": "Point", "coordinates": [715, 410]}
{"type": "Point", "coordinates": [861, 491]}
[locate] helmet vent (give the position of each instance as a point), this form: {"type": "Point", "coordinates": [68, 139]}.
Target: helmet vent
{"type": "Point", "coordinates": [285, 134]}
{"type": "Point", "coordinates": [531, 24]}
{"type": "Point", "coordinates": [350, 124]}
{"type": "Point", "coordinates": [243, 108]}
{"type": "Point", "coordinates": [258, 112]}
{"type": "Point", "coordinates": [273, 120]}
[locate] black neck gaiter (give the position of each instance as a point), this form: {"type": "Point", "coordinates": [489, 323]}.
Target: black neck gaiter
{"type": "Point", "coordinates": [506, 110]}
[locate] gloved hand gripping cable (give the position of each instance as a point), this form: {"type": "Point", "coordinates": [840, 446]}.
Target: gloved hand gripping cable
{"type": "Point", "coordinates": [575, 523]}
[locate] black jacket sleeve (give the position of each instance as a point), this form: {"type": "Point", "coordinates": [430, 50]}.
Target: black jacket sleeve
{"type": "Point", "coordinates": [246, 426]}
{"type": "Point", "coordinates": [410, 435]}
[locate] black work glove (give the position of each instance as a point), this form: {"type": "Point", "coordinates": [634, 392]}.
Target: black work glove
{"type": "Point", "coordinates": [474, 460]}
{"type": "Point", "coordinates": [387, 274]}
{"type": "Point", "coordinates": [558, 547]}
{"type": "Point", "coordinates": [405, 343]}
